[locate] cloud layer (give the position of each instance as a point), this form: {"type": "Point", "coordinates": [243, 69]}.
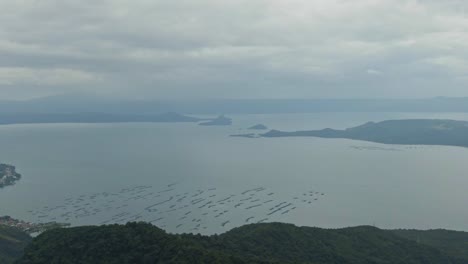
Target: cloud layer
{"type": "Point", "coordinates": [234, 49]}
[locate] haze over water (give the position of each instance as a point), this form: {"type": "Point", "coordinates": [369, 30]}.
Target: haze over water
{"type": "Point", "coordinates": [364, 183]}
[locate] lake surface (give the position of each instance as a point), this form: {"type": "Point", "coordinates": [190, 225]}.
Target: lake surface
{"type": "Point", "coordinates": [189, 178]}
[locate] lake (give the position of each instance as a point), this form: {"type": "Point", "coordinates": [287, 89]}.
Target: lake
{"type": "Point", "coordinates": [189, 178]}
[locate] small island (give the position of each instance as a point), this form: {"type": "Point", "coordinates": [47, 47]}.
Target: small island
{"type": "Point", "coordinates": [219, 121]}
{"type": "Point", "coordinates": [8, 175]}
{"type": "Point", "coordinates": [258, 127]}
{"type": "Point", "coordinates": [402, 132]}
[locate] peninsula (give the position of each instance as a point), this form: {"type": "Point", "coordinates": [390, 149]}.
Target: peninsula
{"type": "Point", "coordinates": [8, 175]}
{"type": "Point", "coordinates": [403, 132]}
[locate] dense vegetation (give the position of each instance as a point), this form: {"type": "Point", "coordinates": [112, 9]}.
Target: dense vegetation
{"type": "Point", "coordinates": [256, 243]}
{"type": "Point", "coordinates": [12, 243]}
{"type": "Point", "coordinates": [410, 131]}
{"type": "Point", "coordinates": [132, 243]}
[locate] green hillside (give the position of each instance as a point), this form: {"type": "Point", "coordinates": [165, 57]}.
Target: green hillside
{"type": "Point", "coordinates": [256, 243]}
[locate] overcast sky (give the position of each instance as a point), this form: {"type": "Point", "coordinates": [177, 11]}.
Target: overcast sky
{"type": "Point", "coordinates": [234, 49]}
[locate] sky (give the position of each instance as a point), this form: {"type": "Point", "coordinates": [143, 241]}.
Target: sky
{"type": "Point", "coordinates": [207, 49]}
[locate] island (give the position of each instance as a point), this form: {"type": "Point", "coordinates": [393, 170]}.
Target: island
{"type": "Point", "coordinates": [8, 175]}
{"type": "Point", "coordinates": [258, 127]}
{"type": "Point", "coordinates": [219, 121]}
{"type": "Point", "coordinates": [403, 132]}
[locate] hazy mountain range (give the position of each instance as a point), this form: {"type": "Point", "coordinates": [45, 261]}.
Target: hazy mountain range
{"type": "Point", "coordinates": [81, 103]}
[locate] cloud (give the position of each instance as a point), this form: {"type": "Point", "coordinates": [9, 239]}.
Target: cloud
{"type": "Point", "coordinates": [49, 77]}
{"type": "Point", "coordinates": [235, 49]}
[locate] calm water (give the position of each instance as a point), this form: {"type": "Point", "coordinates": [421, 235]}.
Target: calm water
{"type": "Point", "coordinates": [87, 174]}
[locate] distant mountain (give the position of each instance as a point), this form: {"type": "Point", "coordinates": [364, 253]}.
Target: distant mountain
{"type": "Point", "coordinates": [84, 103]}
{"type": "Point", "coordinates": [35, 118]}
{"type": "Point", "coordinates": [256, 243]}
{"type": "Point", "coordinates": [219, 121]}
{"type": "Point", "coordinates": [12, 243]}
{"type": "Point", "coordinates": [406, 132]}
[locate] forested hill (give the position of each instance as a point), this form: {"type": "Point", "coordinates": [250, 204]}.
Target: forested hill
{"type": "Point", "coordinates": [12, 243]}
{"type": "Point", "coordinates": [407, 131]}
{"type": "Point", "coordinates": [256, 243]}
